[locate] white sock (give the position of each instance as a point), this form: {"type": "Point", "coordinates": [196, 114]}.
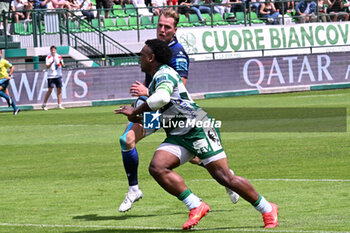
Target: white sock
{"type": "Point", "coordinates": [192, 201]}
{"type": "Point", "coordinates": [134, 188]}
{"type": "Point", "coordinates": [263, 206]}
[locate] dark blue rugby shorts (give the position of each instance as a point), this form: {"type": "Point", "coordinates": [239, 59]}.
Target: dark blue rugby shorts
{"type": "Point", "coordinates": [52, 82]}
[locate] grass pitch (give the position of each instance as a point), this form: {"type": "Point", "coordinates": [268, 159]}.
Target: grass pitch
{"type": "Point", "coordinates": [61, 171]}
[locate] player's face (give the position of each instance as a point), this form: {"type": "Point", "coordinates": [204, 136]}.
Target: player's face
{"type": "Point", "coordinates": [166, 29]}
{"type": "Point", "coordinates": [145, 56]}
{"type": "Point", "coordinates": [53, 51]}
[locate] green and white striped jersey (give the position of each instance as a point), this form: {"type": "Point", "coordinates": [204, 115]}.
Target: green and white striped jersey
{"type": "Point", "coordinates": [181, 113]}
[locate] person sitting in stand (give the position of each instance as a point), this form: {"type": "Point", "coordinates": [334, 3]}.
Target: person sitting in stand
{"type": "Point", "coordinates": [306, 11]}
{"type": "Point", "coordinates": [85, 7]}
{"type": "Point", "coordinates": [158, 6]}
{"type": "Point", "coordinates": [21, 10]}
{"type": "Point", "coordinates": [269, 12]}
{"type": "Point", "coordinates": [337, 11]}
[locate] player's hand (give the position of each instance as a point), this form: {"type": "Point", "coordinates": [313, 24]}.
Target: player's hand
{"type": "Point", "coordinates": [125, 110]}
{"type": "Point", "coordinates": [129, 112]}
{"type": "Point", "coordinates": [138, 89]}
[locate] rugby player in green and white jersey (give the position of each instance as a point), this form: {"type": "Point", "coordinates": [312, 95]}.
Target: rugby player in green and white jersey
{"type": "Point", "coordinates": [134, 132]}
{"type": "Point", "coordinates": [169, 96]}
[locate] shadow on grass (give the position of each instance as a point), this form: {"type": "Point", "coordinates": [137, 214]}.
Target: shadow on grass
{"type": "Point", "coordinates": [158, 229]}
{"type": "Point", "coordinates": [95, 217]}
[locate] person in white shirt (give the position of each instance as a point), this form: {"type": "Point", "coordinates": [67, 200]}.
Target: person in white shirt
{"type": "Point", "coordinates": [85, 7]}
{"type": "Point", "coordinates": [54, 64]}
{"type": "Point", "coordinates": [21, 10]}
{"type": "Point", "coordinates": [158, 6]}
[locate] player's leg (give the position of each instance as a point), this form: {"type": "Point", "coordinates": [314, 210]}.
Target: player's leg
{"type": "Point", "coordinates": [47, 95]}
{"type": "Point", "coordinates": [134, 132]}
{"type": "Point", "coordinates": [59, 92]}
{"type": "Point", "coordinates": [165, 159]}
{"type": "Point", "coordinates": [59, 98]}
{"type": "Point", "coordinates": [217, 166]}
{"type": "Point", "coordinates": [12, 103]}
{"type": "Point", "coordinates": [5, 94]}
{"type": "Point", "coordinates": [234, 197]}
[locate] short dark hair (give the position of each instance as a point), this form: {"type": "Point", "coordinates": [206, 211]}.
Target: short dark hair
{"type": "Point", "coordinates": [53, 47]}
{"type": "Point", "coordinates": [160, 49]}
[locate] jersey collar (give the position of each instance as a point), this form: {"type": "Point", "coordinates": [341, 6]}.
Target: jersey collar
{"type": "Point", "coordinates": [173, 42]}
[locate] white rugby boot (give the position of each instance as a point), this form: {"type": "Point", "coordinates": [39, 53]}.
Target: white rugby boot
{"type": "Point", "coordinates": [130, 198]}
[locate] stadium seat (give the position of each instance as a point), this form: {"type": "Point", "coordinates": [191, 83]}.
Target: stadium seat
{"type": "Point", "coordinates": [20, 29]}
{"type": "Point", "coordinates": [207, 18]}
{"type": "Point", "coordinates": [194, 20]}
{"type": "Point", "coordinates": [84, 26]}
{"type": "Point", "coordinates": [231, 15]}
{"type": "Point", "coordinates": [155, 19]}
{"type": "Point", "coordinates": [118, 11]}
{"type": "Point", "coordinates": [130, 10]}
{"type": "Point", "coordinates": [217, 18]}
{"type": "Point", "coordinates": [30, 28]}
{"type": "Point", "coordinates": [109, 25]}
{"type": "Point", "coordinates": [183, 22]}
{"type": "Point", "coordinates": [240, 18]}
{"type": "Point", "coordinates": [254, 18]}
{"type": "Point", "coordinates": [73, 27]}
{"type": "Point", "coordinates": [121, 24]}
{"type": "Point", "coordinates": [133, 21]}
{"type": "Point", "coordinates": [147, 23]}
{"type": "Point", "coordinates": [95, 23]}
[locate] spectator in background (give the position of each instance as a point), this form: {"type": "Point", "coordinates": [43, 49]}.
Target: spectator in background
{"type": "Point", "coordinates": [269, 12]}
{"type": "Point", "coordinates": [141, 8]}
{"type": "Point", "coordinates": [148, 3]}
{"type": "Point", "coordinates": [204, 6]}
{"type": "Point", "coordinates": [337, 11]}
{"type": "Point", "coordinates": [4, 7]}
{"type": "Point", "coordinates": [306, 11]}
{"type": "Point", "coordinates": [190, 6]}
{"type": "Point", "coordinates": [21, 10]}
{"type": "Point", "coordinates": [286, 9]}
{"type": "Point", "coordinates": [72, 5]}
{"type": "Point", "coordinates": [255, 4]}
{"type": "Point", "coordinates": [122, 2]}
{"type": "Point", "coordinates": [224, 7]}
{"type": "Point", "coordinates": [238, 6]}
{"type": "Point", "coordinates": [59, 4]}
{"type": "Point", "coordinates": [184, 7]}
{"type": "Point", "coordinates": [85, 7]}
{"type": "Point", "coordinates": [106, 4]}
{"type": "Point", "coordinates": [172, 2]}
{"type": "Point", "coordinates": [54, 64]}
{"type": "Point", "coordinates": [157, 6]}
{"type": "Point", "coordinates": [322, 10]}
{"type": "Point", "coordinates": [40, 4]}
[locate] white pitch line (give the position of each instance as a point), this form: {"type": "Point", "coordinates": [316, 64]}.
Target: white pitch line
{"type": "Point", "coordinates": [308, 96]}
{"type": "Point", "coordinates": [286, 180]}
{"type": "Point", "coordinates": [161, 228]}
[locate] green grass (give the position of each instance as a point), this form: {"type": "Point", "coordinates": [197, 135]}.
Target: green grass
{"type": "Point", "coordinates": [61, 171]}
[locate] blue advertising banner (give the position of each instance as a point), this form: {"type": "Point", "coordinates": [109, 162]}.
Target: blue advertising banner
{"type": "Point", "coordinates": [110, 83]}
